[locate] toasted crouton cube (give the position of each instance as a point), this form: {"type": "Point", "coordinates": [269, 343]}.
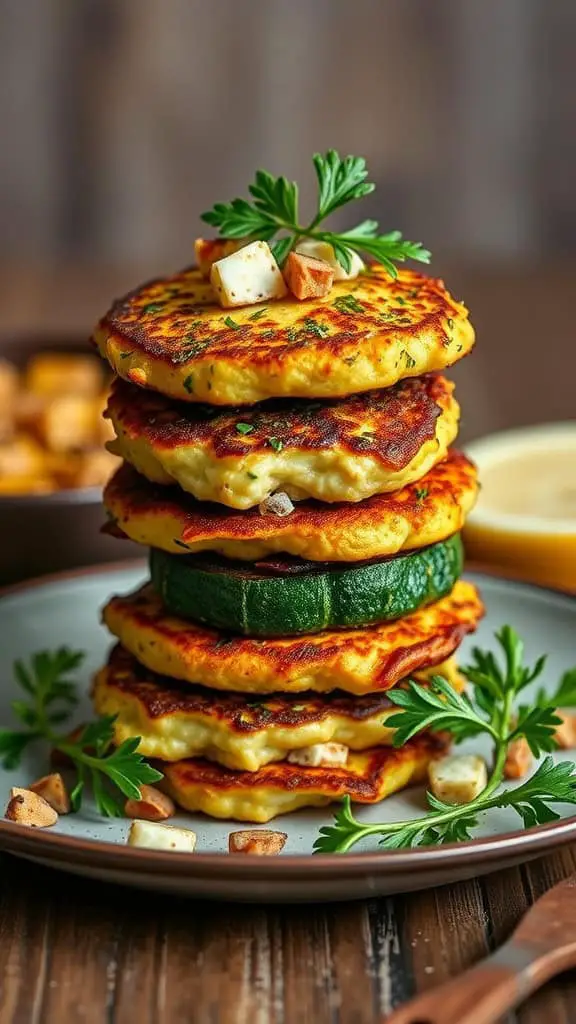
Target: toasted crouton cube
{"type": "Point", "coordinates": [518, 759]}
{"type": "Point", "coordinates": [152, 805]}
{"type": "Point", "coordinates": [53, 373]}
{"type": "Point", "coordinates": [28, 410]}
{"type": "Point", "coordinates": [22, 457]}
{"type": "Point", "coordinates": [457, 778]}
{"type": "Point", "coordinates": [210, 250]}
{"type": "Point", "coordinates": [324, 251]}
{"type": "Point", "coordinates": [52, 789]}
{"type": "Point", "coordinates": [28, 808]}
{"type": "Point", "coordinates": [565, 734]}
{"type": "Point", "coordinates": [150, 835]}
{"type": "Point", "coordinates": [333, 755]}
{"type": "Point", "coordinates": [95, 469]}
{"type": "Point", "coordinates": [247, 276]}
{"type": "Point", "coordinates": [259, 841]}
{"type": "Point", "coordinates": [307, 277]}
{"type": "Point", "coordinates": [67, 423]}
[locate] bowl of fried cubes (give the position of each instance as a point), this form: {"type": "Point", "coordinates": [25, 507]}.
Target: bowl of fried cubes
{"type": "Point", "coordinates": [53, 460]}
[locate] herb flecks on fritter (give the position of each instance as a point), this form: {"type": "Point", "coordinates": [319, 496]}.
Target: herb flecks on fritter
{"type": "Point", "coordinates": [343, 450]}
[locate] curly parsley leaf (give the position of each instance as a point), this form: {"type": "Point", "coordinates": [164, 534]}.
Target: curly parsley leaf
{"type": "Point", "coordinates": [274, 210]}
{"type": "Point", "coordinates": [490, 708]}
{"type": "Point", "coordinates": [50, 698]}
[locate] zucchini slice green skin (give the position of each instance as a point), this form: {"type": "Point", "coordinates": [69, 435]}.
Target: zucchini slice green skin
{"type": "Point", "coordinates": [292, 597]}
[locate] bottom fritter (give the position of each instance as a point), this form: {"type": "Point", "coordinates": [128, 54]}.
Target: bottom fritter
{"type": "Point", "coordinates": [368, 777]}
{"type": "Point", "coordinates": [177, 720]}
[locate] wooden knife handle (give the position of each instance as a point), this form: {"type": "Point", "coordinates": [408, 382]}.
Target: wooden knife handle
{"type": "Point", "coordinates": [484, 993]}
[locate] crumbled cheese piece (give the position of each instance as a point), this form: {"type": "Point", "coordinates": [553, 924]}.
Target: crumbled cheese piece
{"type": "Point", "coordinates": [458, 778]}
{"type": "Point", "coordinates": [153, 805]}
{"type": "Point", "coordinates": [324, 251]}
{"type": "Point", "coordinates": [247, 276]}
{"type": "Point", "coordinates": [152, 836]}
{"type": "Point", "coordinates": [209, 250]}
{"type": "Point", "coordinates": [278, 504]}
{"type": "Point", "coordinates": [308, 277]}
{"type": "Point", "coordinates": [28, 808]}
{"type": "Point", "coordinates": [334, 755]}
{"type": "Point", "coordinates": [260, 841]}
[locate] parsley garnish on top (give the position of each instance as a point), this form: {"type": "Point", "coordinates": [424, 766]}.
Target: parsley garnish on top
{"type": "Point", "coordinates": [492, 709]}
{"type": "Point", "coordinates": [273, 211]}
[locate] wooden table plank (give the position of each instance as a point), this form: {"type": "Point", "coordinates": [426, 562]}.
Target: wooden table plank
{"type": "Point", "coordinates": [24, 948]}
{"type": "Point", "coordinates": [74, 950]}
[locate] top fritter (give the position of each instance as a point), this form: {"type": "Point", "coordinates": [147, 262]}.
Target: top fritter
{"type": "Point", "coordinates": [171, 336]}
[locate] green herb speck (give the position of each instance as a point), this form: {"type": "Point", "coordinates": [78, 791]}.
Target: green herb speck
{"type": "Point", "coordinates": [188, 383]}
{"type": "Point", "coordinates": [231, 323]}
{"type": "Point", "coordinates": [244, 428]}
{"type": "Point", "coordinates": [348, 304]}
{"type": "Point", "coordinates": [276, 443]}
{"type": "Point", "coordinates": [258, 313]}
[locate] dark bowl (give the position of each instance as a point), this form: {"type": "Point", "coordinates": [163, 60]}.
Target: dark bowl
{"type": "Point", "coordinates": [42, 533]}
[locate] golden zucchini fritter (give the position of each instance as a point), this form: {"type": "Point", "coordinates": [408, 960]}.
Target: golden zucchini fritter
{"type": "Point", "coordinates": [176, 720]}
{"type": "Point", "coordinates": [368, 777]}
{"type": "Point", "coordinates": [356, 660]}
{"type": "Point", "coordinates": [344, 450]}
{"type": "Point", "coordinates": [171, 336]}
{"type": "Point", "coordinates": [422, 513]}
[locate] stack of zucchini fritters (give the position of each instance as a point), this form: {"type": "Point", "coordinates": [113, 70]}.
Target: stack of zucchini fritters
{"type": "Point", "coordinates": [289, 467]}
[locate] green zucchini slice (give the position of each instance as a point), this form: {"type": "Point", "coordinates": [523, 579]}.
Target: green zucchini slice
{"type": "Point", "coordinates": [290, 596]}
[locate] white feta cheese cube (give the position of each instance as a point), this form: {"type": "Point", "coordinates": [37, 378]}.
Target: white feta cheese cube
{"type": "Point", "coordinates": [151, 836]}
{"type": "Point", "coordinates": [324, 251]}
{"type": "Point", "coordinates": [334, 755]}
{"type": "Point", "coordinates": [247, 276]}
{"type": "Point", "coordinates": [458, 778]}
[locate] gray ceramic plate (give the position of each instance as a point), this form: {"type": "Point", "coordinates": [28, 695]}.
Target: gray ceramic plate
{"type": "Point", "coordinates": [65, 609]}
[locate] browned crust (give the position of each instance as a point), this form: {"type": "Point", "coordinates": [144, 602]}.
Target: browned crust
{"type": "Point", "coordinates": [363, 787]}
{"type": "Point", "coordinates": [161, 696]}
{"type": "Point", "coordinates": [165, 320]}
{"type": "Point", "coordinates": [389, 425]}
{"type": "Point", "coordinates": [410, 645]}
{"type": "Point", "coordinates": [200, 521]}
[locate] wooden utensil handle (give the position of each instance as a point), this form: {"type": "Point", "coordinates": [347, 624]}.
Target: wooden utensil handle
{"type": "Point", "coordinates": [482, 994]}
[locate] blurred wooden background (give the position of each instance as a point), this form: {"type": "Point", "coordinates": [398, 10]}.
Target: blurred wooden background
{"type": "Point", "coordinates": [123, 119]}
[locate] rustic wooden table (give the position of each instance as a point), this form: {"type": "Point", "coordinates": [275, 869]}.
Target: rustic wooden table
{"type": "Point", "coordinates": [79, 952]}
{"type": "Point", "coordinates": [74, 951]}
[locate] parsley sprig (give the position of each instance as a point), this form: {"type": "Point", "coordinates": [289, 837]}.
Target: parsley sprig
{"type": "Point", "coordinates": [51, 697]}
{"type": "Point", "coordinates": [490, 709]}
{"type": "Point", "coordinates": [274, 210]}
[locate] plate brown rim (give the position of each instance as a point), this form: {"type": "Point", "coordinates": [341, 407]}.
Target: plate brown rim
{"type": "Point", "coordinates": [101, 854]}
